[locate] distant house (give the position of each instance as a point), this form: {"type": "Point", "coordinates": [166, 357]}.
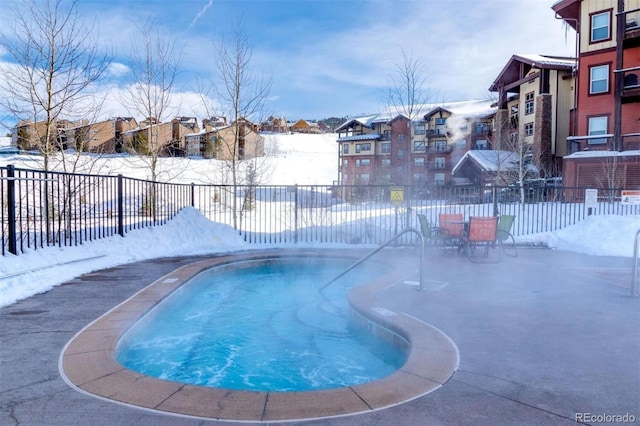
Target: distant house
{"type": "Point", "coordinates": [491, 167]}
{"type": "Point", "coordinates": [275, 125]}
{"type": "Point", "coordinates": [304, 126]}
{"type": "Point", "coordinates": [219, 142]}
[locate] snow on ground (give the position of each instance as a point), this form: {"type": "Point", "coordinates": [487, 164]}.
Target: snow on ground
{"type": "Point", "coordinates": [302, 159]}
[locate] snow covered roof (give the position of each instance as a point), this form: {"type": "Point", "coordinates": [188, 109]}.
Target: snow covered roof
{"type": "Point", "coordinates": [365, 121]}
{"type": "Point", "coordinates": [601, 153]}
{"type": "Point", "coordinates": [489, 160]}
{"type": "Point", "coordinates": [369, 136]}
{"type": "Point", "coordinates": [520, 64]}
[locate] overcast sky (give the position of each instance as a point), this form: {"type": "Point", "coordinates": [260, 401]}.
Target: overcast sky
{"type": "Point", "coordinates": [335, 57]}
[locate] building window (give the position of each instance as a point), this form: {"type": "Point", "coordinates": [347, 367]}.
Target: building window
{"type": "Point", "coordinates": [461, 143]}
{"type": "Point", "coordinates": [440, 162]}
{"type": "Point", "coordinates": [600, 26]}
{"type": "Point", "coordinates": [345, 163]}
{"type": "Point", "coordinates": [441, 146]}
{"type": "Point", "coordinates": [418, 129]}
{"type": "Point", "coordinates": [528, 129]}
{"type": "Point", "coordinates": [418, 161]}
{"type": "Point", "coordinates": [386, 162]}
{"type": "Point", "coordinates": [482, 128]}
{"type": "Point", "coordinates": [597, 126]}
{"type": "Point", "coordinates": [599, 79]}
{"type": "Point", "coordinates": [362, 178]}
{"type": "Point", "coordinates": [399, 170]}
{"type": "Point", "coordinates": [528, 103]}
{"type": "Point", "coordinates": [386, 178]}
{"type": "Point", "coordinates": [438, 178]}
{"type": "Point", "coordinates": [386, 148]}
{"type": "Point", "coordinates": [400, 154]}
{"type": "Point", "coordinates": [418, 177]}
{"type": "Point", "coordinates": [345, 149]}
{"type": "Point", "coordinates": [482, 144]}
{"type": "Point", "coordinates": [418, 146]}
{"type": "Point", "coordinates": [441, 121]}
{"type": "Point", "coordinates": [363, 162]}
{"type": "Point", "coordinates": [401, 138]}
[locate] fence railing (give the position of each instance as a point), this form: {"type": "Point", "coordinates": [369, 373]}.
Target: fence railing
{"type": "Point", "coordinates": [41, 209]}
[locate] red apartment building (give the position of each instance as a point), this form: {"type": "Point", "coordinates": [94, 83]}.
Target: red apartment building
{"type": "Point", "coordinates": [604, 137]}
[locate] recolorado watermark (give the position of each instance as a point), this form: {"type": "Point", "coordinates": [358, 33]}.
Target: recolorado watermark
{"type": "Point", "coordinates": [605, 418]}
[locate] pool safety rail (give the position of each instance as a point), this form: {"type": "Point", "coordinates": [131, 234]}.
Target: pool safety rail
{"type": "Point", "coordinates": [406, 231]}
{"type": "Point", "coordinates": [634, 268]}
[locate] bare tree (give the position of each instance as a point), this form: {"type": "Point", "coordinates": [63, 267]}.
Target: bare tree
{"type": "Point", "coordinates": [155, 67]}
{"type": "Point", "coordinates": [241, 96]}
{"type": "Point", "coordinates": [54, 65]}
{"type": "Point", "coordinates": [407, 95]}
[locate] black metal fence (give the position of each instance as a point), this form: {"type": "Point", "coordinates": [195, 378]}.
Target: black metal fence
{"type": "Point", "coordinates": [41, 209]}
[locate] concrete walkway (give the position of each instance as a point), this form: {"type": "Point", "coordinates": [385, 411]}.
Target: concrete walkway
{"type": "Point", "coordinates": [542, 338]}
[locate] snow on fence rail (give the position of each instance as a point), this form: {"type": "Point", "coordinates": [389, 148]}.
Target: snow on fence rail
{"type": "Point", "coordinates": [41, 209]}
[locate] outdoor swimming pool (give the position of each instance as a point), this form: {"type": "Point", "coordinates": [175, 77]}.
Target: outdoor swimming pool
{"type": "Point", "coordinates": [262, 326]}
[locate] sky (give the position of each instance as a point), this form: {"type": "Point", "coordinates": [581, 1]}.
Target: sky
{"type": "Point", "coordinates": [307, 157]}
{"type": "Point", "coordinates": [327, 57]}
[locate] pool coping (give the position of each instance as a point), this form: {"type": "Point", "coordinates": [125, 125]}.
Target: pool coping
{"type": "Point", "coordinates": [87, 362]}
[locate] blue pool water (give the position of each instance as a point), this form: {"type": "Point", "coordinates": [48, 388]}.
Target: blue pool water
{"type": "Point", "coordinates": [264, 327]}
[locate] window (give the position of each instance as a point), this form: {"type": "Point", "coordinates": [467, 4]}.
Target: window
{"type": "Point", "coordinates": [385, 178]}
{"type": "Point", "coordinates": [418, 146]}
{"type": "Point", "coordinates": [441, 146]}
{"type": "Point", "coordinates": [482, 128]}
{"type": "Point", "coordinates": [418, 161]}
{"type": "Point", "coordinates": [362, 178]}
{"type": "Point", "coordinates": [363, 162]}
{"type": "Point", "coordinates": [528, 103]}
{"type": "Point", "coordinates": [386, 162]}
{"type": "Point", "coordinates": [401, 138]}
{"type": "Point", "coordinates": [597, 126]}
{"type": "Point", "coordinates": [400, 154]}
{"type": "Point", "coordinates": [418, 177]}
{"type": "Point", "coordinates": [461, 143]}
{"type": "Point", "coordinates": [386, 148]}
{"type": "Point", "coordinates": [599, 79]}
{"type": "Point", "coordinates": [528, 129]}
{"type": "Point", "coordinates": [482, 144]}
{"type": "Point", "coordinates": [438, 178]}
{"type": "Point", "coordinates": [440, 121]}
{"type": "Point", "coordinates": [345, 149]}
{"type": "Point", "coordinates": [399, 170]}
{"type": "Point", "coordinates": [600, 26]}
{"type": "Point", "coordinates": [418, 129]}
{"type": "Point", "coordinates": [440, 162]}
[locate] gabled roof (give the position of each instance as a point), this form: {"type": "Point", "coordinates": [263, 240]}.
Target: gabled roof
{"type": "Point", "coordinates": [489, 160]}
{"type": "Point", "coordinates": [365, 137]}
{"type": "Point", "coordinates": [519, 65]}
{"type": "Point", "coordinates": [366, 121]}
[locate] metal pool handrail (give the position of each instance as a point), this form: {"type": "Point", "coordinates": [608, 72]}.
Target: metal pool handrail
{"type": "Point", "coordinates": [407, 230]}
{"type": "Point", "coordinates": [634, 268]}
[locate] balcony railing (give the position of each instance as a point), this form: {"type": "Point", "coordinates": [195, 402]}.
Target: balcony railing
{"type": "Point", "coordinates": [630, 84]}
{"type": "Point", "coordinates": [431, 133]}
{"type": "Point", "coordinates": [630, 141]}
{"type": "Point", "coordinates": [440, 149]}
{"type": "Point", "coordinates": [632, 24]}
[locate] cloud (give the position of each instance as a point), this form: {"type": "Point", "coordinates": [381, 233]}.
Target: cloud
{"type": "Point", "coordinates": [117, 69]}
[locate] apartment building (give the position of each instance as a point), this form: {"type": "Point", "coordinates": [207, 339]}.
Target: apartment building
{"type": "Point", "coordinates": [385, 149]}
{"type": "Point", "coordinates": [536, 94]}
{"type": "Point", "coordinates": [217, 138]}
{"type": "Point", "coordinates": [604, 133]}
{"type": "Point", "coordinates": [29, 135]}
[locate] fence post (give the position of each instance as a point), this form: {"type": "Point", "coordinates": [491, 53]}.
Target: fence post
{"type": "Point", "coordinates": [120, 207]}
{"type": "Point", "coordinates": [11, 208]}
{"type": "Point", "coordinates": [295, 208]}
{"type": "Point", "coordinates": [193, 196]}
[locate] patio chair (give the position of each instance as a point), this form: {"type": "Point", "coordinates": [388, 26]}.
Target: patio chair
{"type": "Point", "coordinates": [453, 226]}
{"type": "Point", "coordinates": [504, 236]}
{"type": "Point", "coordinates": [481, 241]}
{"type": "Point", "coordinates": [433, 235]}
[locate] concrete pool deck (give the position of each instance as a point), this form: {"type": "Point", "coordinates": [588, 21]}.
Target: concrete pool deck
{"type": "Point", "coordinates": [543, 338]}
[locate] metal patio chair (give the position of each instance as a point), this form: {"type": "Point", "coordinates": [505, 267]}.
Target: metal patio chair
{"type": "Point", "coordinates": [505, 237]}
{"type": "Point", "coordinates": [480, 244]}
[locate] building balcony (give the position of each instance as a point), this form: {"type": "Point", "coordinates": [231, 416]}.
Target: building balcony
{"type": "Point", "coordinates": [437, 167]}
{"type": "Point", "coordinates": [439, 149]}
{"type": "Point", "coordinates": [630, 84]}
{"type": "Point", "coordinates": [632, 28]}
{"type": "Point", "coordinates": [434, 133]}
{"type": "Point", "coordinates": [629, 142]}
